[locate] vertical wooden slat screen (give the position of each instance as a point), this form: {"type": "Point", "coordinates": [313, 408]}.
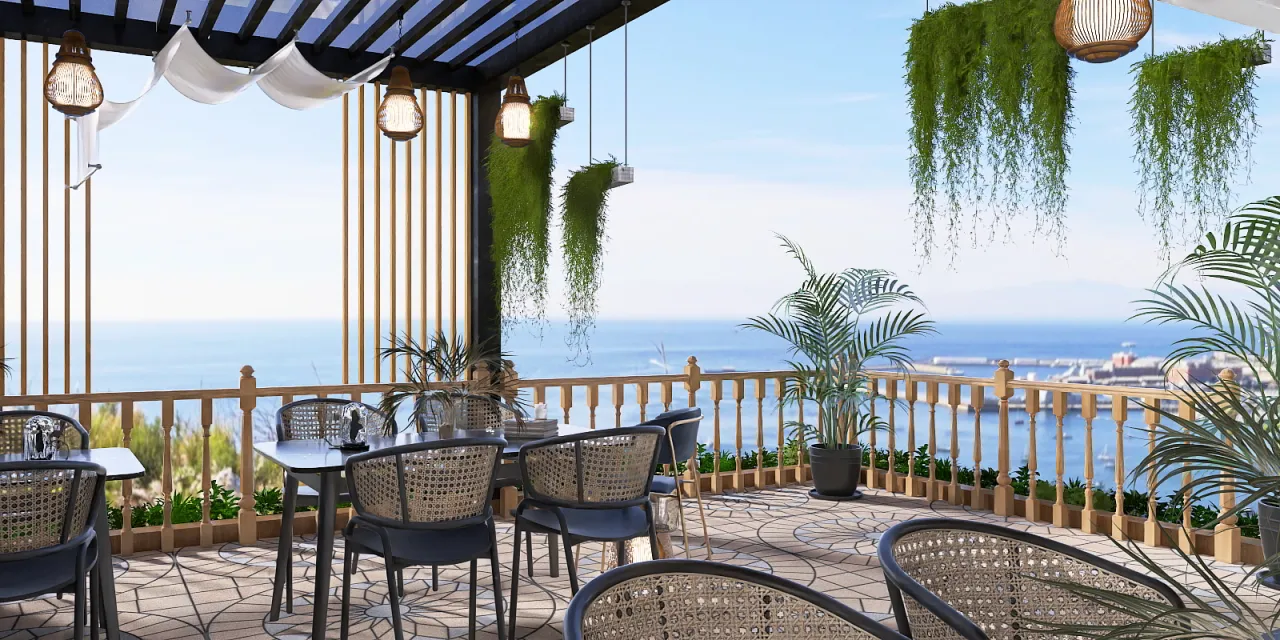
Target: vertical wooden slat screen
{"type": "Point", "coordinates": [436, 247]}
{"type": "Point", "coordinates": [346, 239]}
{"type": "Point", "coordinates": [52, 141]}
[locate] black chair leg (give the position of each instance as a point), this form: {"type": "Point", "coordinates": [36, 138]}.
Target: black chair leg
{"type": "Point", "coordinates": [400, 581]}
{"type": "Point", "coordinates": [81, 601]}
{"type": "Point", "coordinates": [435, 578]}
{"type": "Point", "coordinates": [349, 558]}
{"type": "Point", "coordinates": [571, 566]}
{"type": "Point", "coordinates": [496, 570]}
{"type": "Point", "coordinates": [474, 564]}
{"type": "Point", "coordinates": [515, 579]}
{"type": "Point", "coordinates": [553, 553]}
{"type": "Point", "coordinates": [528, 553]}
{"type": "Point", "coordinates": [394, 600]}
{"type": "Point", "coordinates": [94, 601]}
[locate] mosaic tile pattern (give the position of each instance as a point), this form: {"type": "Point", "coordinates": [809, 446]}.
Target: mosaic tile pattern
{"type": "Point", "coordinates": [225, 591]}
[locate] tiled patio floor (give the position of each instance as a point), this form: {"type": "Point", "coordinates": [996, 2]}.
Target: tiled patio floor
{"type": "Point", "coordinates": [224, 592]}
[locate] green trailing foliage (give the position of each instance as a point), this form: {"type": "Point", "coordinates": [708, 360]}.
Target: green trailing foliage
{"type": "Point", "coordinates": [584, 207]}
{"type": "Point", "coordinates": [520, 189]}
{"type": "Point", "coordinates": [1194, 121]}
{"type": "Point", "coordinates": [990, 95]}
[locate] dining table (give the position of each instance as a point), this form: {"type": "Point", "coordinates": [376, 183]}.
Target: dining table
{"type": "Point", "coordinates": [120, 464]}
{"type": "Point", "coordinates": [319, 464]}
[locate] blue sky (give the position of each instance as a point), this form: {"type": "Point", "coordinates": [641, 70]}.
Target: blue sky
{"type": "Point", "coordinates": [747, 117]}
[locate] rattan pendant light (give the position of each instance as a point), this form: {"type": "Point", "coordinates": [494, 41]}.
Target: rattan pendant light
{"type": "Point", "coordinates": [515, 116]}
{"type": "Point", "coordinates": [1101, 30]}
{"type": "Point", "coordinates": [73, 87]}
{"type": "Point", "coordinates": [399, 116]}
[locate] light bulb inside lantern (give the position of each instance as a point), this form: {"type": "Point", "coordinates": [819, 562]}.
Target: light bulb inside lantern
{"type": "Point", "coordinates": [515, 116]}
{"type": "Point", "coordinates": [73, 87]}
{"type": "Point", "coordinates": [399, 116]}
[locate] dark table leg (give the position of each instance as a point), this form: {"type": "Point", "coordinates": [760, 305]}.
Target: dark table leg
{"type": "Point", "coordinates": [326, 518]}
{"type": "Point", "coordinates": [106, 574]}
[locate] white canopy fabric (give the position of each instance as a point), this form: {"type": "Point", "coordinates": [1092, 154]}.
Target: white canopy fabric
{"type": "Point", "coordinates": [286, 77]}
{"type": "Point", "coordinates": [1259, 14]}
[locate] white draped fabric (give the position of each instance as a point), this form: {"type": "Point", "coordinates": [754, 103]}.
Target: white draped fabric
{"type": "Point", "coordinates": [286, 77]}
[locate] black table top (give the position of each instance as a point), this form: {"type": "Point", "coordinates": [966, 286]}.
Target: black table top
{"type": "Point", "coordinates": [119, 462]}
{"type": "Point", "coordinates": [318, 456]}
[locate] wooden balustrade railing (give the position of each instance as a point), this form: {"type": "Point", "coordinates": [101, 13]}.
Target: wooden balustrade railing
{"type": "Point", "coordinates": [740, 458]}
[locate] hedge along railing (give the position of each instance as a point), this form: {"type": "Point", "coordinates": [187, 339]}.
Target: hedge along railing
{"type": "Point", "coordinates": [732, 466]}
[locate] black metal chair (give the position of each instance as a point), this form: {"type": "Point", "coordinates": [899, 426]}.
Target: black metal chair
{"type": "Point", "coordinates": [47, 539]}
{"type": "Point", "coordinates": [973, 580]}
{"type": "Point", "coordinates": [310, 419]}
{"type": "Point", "coordinates": [699, 599]}
{"type": "Point", "coordinates": [423, 504]}
{"type": "Point", "coordinates": [586, 487]}
{"type": "Point", "coordinates": [681, 445]}
{"type": "Point", "coordinates": [71, 435]}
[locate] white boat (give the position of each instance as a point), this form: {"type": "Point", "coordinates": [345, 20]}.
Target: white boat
{"type": "Point", "coordinates": [1128, 345]}
{"type": "Point", "coordinates": [1107, 460]}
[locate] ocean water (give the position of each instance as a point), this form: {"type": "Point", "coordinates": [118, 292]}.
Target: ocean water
{"type": "Point", "coordinates": [196, 355]}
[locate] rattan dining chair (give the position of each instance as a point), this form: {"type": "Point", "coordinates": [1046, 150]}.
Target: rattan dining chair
{"type": "Point", "coordinates": [71, 434]}
{"type": "Point", "coordinates": [681, 446]}
{"type": "Point", "coordinates": [424, 504]}
{"type": "Point", "coordinates": [973, 580]}
{"type": "Point", "coordinates": [310, 419]}
{"type": "Point", "coordinates": [699, 599]}
{"type": "Point", "coordinates": [47, 539]}
{"type": "Point", "coordinates": [586, 487]}
{"type": "Point", "coordinates": [475, 412]}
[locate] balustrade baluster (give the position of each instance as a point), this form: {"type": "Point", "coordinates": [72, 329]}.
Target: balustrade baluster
{"type": "Point", "coordinates": [666, 395]}
{"type": "Point", "coordinates": [1185, 540]}
{"type": "Point", "coordinates": [891, 395]}
{"type": "Point", "coordinates": [1061, 515]}
{"type": "Point", "coordinates": [739, 392]}
{"type": "Point", "coordinates": [759, 387]}
{"type": "Point", "coordinates": [953, 399]}
{"type": "Point", "coordinates": [913, 482]}
{"type": "Point", "coordinates": [931, 397]}
{"type": "Point", "coordinates": [248, 519]}
{"type": "Point", "coordinates": [976, 401]}
{"type": "Point", "coordinates": [206, 472]}
{"type": "Point", "coordinates": [166, 478]}
{"type": "Point", "coordinates": [873, 390]}
{"type": "Point", "coordinates": [1032, 403]}
{"type": "Point", "coordinates": [1120, 414]}
{"type": "Point", "coordinates": [779, 391]}
{"type": "Point", "coordinates": [566, 401]}
{"type": "Point", "coordinates": [642, 398]}
{"type": "Point", "coordinates": [1003, 494]}
{"type": "Point", "coordinates": [716, 390]}
{"type": "Point", "coordinates": [619, 397]}
{"type": "Point", "coordinates": [1088, 411]}
{"type": "Point", "coordinates": [1226, 534]}
{"type": "Point", "coordinates": [126, 508]}
{"type": "Point", "coordinates": [801, 436]}
{"type": "Point", "coordinates": [593, 399]}
{"type": "Point", "coordinates": [1151, 528]}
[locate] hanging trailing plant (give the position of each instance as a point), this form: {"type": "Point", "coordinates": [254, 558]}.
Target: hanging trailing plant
{"type": "Point", "coordinates": [989, 90]}
{"type": "Point", "coordinates": [1194, 121]}
{"type": "Point", "coordinates": [520, 189]}
{"type": "Point", "coordinates": [584, 204]}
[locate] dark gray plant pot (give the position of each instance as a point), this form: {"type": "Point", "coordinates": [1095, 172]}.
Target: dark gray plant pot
{"type": "Point", "coordinates": [1269, 526]}
{"type": "Point", "coordinates": [835, 471]}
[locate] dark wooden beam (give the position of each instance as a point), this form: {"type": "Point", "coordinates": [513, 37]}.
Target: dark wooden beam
{"type": "Point", "coordinates": [385, 20]}
{"type": "Point", "coordinates": [73, 7]}
{"type": "Point", "coordinates": [340, 21]}
{"type": "Point", "coordinates": [463, 28]}
{"type": "Point", "coordinates": [122, 11]}
{"type": "Point", "coordinates": [209, 18]}
{"type": "Point", "coordinates": [484, 316]}
{"type": "Point", "coordinates": [28, 6]}
{"type": "Point", "coordinates": [541, 47]}
{"type": "Point", "coordinates": [103, 33]}
{"type": "Point", "coordinates": [257, 11]}
{"type": "Point", "coordinates": [426, 23]}
{"type": "Point", "coordinates": [525, 16]}
{"type": "Point", "coordinates": [165, 18]}
{"type": "Point", "coordinates": [299, 18]}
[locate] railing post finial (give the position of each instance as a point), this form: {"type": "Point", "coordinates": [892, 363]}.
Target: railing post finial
{"type": "Point", "coordinates": [693, 380]}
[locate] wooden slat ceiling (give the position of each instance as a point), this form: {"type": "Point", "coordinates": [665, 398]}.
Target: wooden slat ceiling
{"type": "Point", "coordinates": [463, 45]}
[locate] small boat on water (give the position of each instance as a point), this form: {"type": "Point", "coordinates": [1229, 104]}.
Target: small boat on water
{"type": "Point", "coordinates": [1128, 345]}
{"type": "Point", "coordinates": [1107, 460]}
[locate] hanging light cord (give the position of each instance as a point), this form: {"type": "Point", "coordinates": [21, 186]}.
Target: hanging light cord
{"type": "Point", "coordinates": [565, 46]}
{"type": "Point", "coordinates": [626, 4]}
{"type": "Point", "coordinates": [591, 112]}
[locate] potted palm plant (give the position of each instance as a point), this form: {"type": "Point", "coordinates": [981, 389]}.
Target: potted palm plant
{"type": "Point", "coordinates": [443, 376]}
{"type": "Point", "coordinates": [835, 325]}
{"type": "Point", "coordinates": [1230, 447]}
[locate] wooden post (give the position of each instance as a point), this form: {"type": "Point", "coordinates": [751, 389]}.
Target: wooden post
{"type": "Point", "coordinates": [953, 399]}
{"type": "Point", "coordinates": [1088, 411]}
{"type": "Point", "coordinates": [759, 388]}
{"type": "Point", "coordinates": [166, 477]}
{"type": "Point", "coordinates": [1226, 535]}
{"type": "Point", "coordinates": [642, 398]}
{"type": "Point", "coordinates": [206, 473]}
{"type": "Point", "coordinates": [891, 395]}
{"type": "Point", "coordinates": [1061, 515]}
{"type": "Point", "coordinates": [566, 401]}
{"type": "Point", "coordinates": [873, 390]}
{"type": "Point", "coordinates": [126, 530]}
{"type": "Point", "coordinates": [1032, 400]}
{"type": "Point", "coordinates": [665, 388]}
{"type": "Point", "coordinates": [1119, 413]}
{"type": "Point", "coordinates": [1151, 533]}
{"type": "Point", "coordinates": [248, 402]}
{"type": "Point", "coordinates": [931, 397]}
{"type": "Point", "coordinates": [619, 397]}
{"type": "Point", "coordinates": [779, 389]}
{"type": "Point", "coordinates": [739, 393]}
{"type": "Point", "coordinates": [717, 391]}
{"type": "Point", "coordinates": [913, 481]}
{"type": "Point", "coordinates": [593, 400]}
{"type": "Point", "coordinates": [1004, 483]}
{"type": "Point", "coordinates": [1185, 535]}
{"type": "Point", "coordinates": [976, 401]}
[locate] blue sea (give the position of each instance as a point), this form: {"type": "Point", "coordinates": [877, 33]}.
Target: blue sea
{"type": "Point", "coordinates": [195, 355]}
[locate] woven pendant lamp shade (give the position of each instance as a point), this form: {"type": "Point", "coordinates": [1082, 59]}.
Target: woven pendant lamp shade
{"type": "Point", "coordinates": [399, 116]}
{"type": "Point", "coordinates": [1101, 30]}
{"type": "Point", "coordinates": [72, 86]}
{"type": "Point", "coordinates": [515, 116]}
